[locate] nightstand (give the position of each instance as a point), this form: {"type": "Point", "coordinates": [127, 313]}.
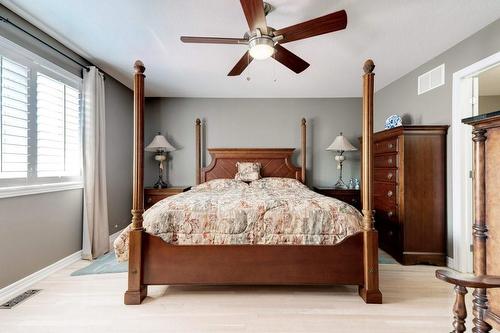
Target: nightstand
{"type": "Point", "coordinates": [153, 195]}
{"type": "Point", "coordinates": [352, 197]}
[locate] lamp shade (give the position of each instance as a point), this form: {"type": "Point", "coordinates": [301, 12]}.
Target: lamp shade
{"type": "Point", "coordinates": [159, 143]}
{"type": "Point", "coordinates": [341, 144]}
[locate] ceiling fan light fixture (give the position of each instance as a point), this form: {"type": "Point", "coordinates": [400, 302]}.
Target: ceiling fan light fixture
{"type": "Point", "coordinates": [261, 47]}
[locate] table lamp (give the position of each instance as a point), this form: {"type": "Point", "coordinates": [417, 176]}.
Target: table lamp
{"type": "Point", "coordinates": [161, 147]}
{"type": "Point", "coordinates": [340, 145]}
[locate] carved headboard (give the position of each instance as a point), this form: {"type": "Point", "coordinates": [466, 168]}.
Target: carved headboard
{"type": "Point", "coordinates": [275, 162]}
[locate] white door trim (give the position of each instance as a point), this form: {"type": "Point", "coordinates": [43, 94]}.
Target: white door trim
{"type": "Point", "coordinates": [462, 161]}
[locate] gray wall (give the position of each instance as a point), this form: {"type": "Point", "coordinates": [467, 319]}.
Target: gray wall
{"type": "Point", "coordinates": [38, 230]}
{"type": "Point", "coordinates": [254, 123]}
{"type": "Point", "coordinates": [489, 104]}
{"type": "Point", "coordinates": [119, 140]}
{"type": "Point", "coordinates": [434, 107]}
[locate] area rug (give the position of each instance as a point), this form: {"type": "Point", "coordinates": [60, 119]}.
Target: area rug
{"type": "Point", "coordinates": [104, 264]}
{"type": "Point", "coordinates": [108, 264]}
{"type": "Point", "coordinates": [385, 259]}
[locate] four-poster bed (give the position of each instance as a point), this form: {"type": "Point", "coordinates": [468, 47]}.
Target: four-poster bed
{"type": "Point", "coordinates": [152, 261]}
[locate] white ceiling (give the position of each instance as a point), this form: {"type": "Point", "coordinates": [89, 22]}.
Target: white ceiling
{"type": "Point", "coordinates": [489, 82]}
{"type": "Point", "coordinates": [398, 34]}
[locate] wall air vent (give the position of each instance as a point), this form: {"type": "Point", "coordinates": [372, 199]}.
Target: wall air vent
{"type": "Point", "coordinates": [430, 80]}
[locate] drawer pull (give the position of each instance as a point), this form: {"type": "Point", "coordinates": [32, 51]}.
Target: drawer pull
{"type": "Point", "coordinates": [150, 200]}
{"type": "Point", "coordinates": [390, 214]}
{"type": "Point", "coordinates": [389, 175]}
{"type": "Point", "coordinates": [389, 194]}
{"type": "Point", "coordinates": [391, 233]}
{"type": "Point", "coordinates": [389, 161]}
{"type": "Point", "coordinates": [390, 145]}
{"type": "Point", "coordinates": [354, 200]}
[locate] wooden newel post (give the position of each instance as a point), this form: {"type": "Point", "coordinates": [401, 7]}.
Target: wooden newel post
{"type": "Point", "coordinates": [479, 230]}
{"type": "Point", "coordinates": [136, 290]}
{"type": "Point", "coordinates": [370, 290]}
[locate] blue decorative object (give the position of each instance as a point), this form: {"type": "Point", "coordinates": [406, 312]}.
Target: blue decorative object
{"type": "Point", "coordinates": [393, 121]}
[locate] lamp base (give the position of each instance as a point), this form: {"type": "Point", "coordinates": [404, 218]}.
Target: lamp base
{"type": "Point", "coordinates": [340, 184]}
{"type": "Point", "coordinates": [160, 184]}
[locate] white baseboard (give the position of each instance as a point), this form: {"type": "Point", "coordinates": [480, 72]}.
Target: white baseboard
{"type": "Point", "coordinates": [450, 263]}
{"type": "Point", "coordinates": [25, 283]}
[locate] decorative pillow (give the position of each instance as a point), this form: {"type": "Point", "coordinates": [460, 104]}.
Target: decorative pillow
{"type": "Point", "coordinates": [220, 184]}
{"type": "Point", "coordinates": [248, 171]}
{"type": "Point", "coordinates": [277, 182]}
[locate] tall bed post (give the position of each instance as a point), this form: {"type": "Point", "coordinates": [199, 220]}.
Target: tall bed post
{"type": "Point", "coordinates": [303, 149]}
{"type": "Point", "coordinates": [136, 289]}
{"type": "Point", "coordinates": [198, 150]}
{"type": "Point", "coordinates": [370, 290]}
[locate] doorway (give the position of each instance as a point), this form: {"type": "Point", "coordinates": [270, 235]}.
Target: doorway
{"type": "Point", "coordinates": [476, 90]}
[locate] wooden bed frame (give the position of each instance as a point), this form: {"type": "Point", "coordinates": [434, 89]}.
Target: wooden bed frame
{"type": "Point", "coordinates": [354, 261]}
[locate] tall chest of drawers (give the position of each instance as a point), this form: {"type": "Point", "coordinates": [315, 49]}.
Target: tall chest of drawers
{"type": "Point", "coordinates": [409, 193]}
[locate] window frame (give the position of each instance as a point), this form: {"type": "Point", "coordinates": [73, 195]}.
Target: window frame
{"type": "Point", "coordinates": [32, 184]}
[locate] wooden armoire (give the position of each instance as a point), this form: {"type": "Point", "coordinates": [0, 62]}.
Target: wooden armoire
{"type": "Point", "coordinates": [410, 193]}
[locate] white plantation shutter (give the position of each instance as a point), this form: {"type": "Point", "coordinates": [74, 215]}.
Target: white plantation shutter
{"type": "Point", "coordinates": [73, 133]}
{"type": "Point", "coordinates": [58, 128]}
{"type": "Point", "coordinates": [50, 126]}
{"type": "Point", "coordinates": [13, 119]}
{"type": "Point", "coordinates": [40, 124]}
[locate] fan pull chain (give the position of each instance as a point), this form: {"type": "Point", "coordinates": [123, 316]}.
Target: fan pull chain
{"type": "Point", "coordinates": [248, 67]}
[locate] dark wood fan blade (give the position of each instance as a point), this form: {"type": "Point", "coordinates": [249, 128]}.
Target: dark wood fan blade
{"type": "Point", "coordinates": [318, 26]}
{"type": "Point", "coordinates": [289, 59]}
{"type": "Point", "coordinates": [213, 40]}
{"type": "Point", "coordinates": [254, 13]}
{"type": "Point", "coordinates": [241, 65]}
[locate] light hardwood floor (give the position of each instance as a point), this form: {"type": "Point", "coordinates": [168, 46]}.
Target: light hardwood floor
{"type": "Point", "coordinates": [414, 301]}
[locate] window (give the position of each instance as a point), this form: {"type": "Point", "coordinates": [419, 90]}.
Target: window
{"type": "Point", "coordinates": [40, 122]}
{"type": "Point", "coordinates": [57, 127]}
{"type": "Point", "coordinates": [14, 120]}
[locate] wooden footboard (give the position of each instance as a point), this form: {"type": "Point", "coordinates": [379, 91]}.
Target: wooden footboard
{"type": "Point", "coordinates": [253, 264]}
{"type": "Point", "coordinates": [353, 261]}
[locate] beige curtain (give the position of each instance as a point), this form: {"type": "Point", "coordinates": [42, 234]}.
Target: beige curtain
{"type": "Point", "coordinates": [95, 209]}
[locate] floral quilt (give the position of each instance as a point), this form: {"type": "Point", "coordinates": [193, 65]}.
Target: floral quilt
{"type": "Point", "coordinates": [267, 211]}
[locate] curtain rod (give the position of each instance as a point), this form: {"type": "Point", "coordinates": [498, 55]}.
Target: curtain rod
{"type": "Point", "coordinates": [6, 20]}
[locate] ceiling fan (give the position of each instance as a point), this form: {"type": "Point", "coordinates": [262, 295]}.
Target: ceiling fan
{"type": "Point", "coordinates": [264, 41]}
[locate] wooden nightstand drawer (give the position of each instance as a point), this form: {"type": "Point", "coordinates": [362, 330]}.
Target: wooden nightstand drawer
{"type": "Point", "coordinates": [352, 197]}
{"type": "Point", "coordinates": [153, 195]}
